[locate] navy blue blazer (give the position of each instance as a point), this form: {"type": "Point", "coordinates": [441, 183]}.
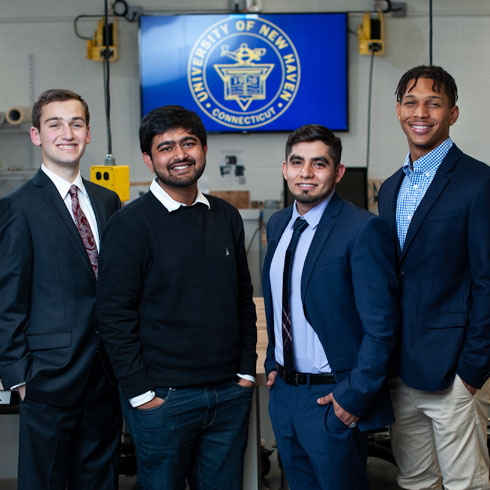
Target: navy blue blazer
{"type": "Point", "coordinates": [444, 271]}
{"type": "Point", "coordinates": [350, 298]}
{"type": "Point", "coordinates": [47, 292]}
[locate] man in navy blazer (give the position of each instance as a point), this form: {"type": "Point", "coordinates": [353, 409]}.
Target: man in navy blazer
{"type": "Point", "coordinates": [438, 207]}
{"type": "Point", "coordinates": [49, 344]}
{"type": "Point", "coordinates": [343, 314]}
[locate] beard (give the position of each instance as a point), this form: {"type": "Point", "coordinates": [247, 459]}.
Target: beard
{"type": "Point", "coordinates": [304, 197]}
{"type": "Point", "coordinates": [176, 181]}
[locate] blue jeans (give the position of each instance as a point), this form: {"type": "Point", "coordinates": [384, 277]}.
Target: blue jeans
{"type": "Point", "coordinates": [197, 434]}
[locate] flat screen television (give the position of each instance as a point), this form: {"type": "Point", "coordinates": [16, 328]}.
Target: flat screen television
{"type": "Point", "coordinates": [248, 72]}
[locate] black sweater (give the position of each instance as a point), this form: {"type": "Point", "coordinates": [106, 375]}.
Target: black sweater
{"type": "Point", "coordinates": [174, 301]}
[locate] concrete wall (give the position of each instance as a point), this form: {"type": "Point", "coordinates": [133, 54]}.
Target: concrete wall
{"type": "Point", "coordinates": [40, 50]}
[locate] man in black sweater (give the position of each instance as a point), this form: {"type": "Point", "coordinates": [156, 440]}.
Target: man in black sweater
{"type": "Point", "coordinates": [175, 310]}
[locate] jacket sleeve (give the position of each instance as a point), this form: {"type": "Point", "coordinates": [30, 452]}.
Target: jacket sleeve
{"type": "Point", "coordinates": [16, 256]}
{"type": "Point", "coordinates": [474, 361]}
{"type": "Point", "coordinates": [376, 300]}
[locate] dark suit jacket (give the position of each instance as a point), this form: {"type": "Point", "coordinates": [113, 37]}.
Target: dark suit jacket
{"type": "Point", "coordinates": [47, 292]}
{"type": "Point", "coordinates": [349, 292]}
{"type": "Point", "coordinates": [444, 271]}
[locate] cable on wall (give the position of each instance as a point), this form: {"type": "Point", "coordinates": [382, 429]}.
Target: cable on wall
{"type": "Point", "coordinates": [107, 78]}
{"type": "Point", "coordinates": [75, 24]}
{"type": "Point", "coordinates": [370, 92]}
{"type": "Point", "coordinates": [430, 32]}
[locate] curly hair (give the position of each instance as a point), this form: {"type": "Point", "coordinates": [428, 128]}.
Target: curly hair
{"type": "Point", "coordinates": [438, 75]}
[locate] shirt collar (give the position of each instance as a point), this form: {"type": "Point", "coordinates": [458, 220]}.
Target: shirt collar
{"type": "Point", "coordinates": [428, 163]}
{"type": "Point", "coordinates": [171, 204]}
{"type": "Point", "coordinates": [314, 215]}
{"type": "Point", "coordinates": [62, 184]}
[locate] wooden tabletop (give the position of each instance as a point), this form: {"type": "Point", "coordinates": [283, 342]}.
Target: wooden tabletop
{"type": "Point", "coordinates": [261, 339]}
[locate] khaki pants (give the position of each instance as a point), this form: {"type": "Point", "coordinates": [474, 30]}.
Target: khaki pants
{"type": "Point", "coordinates": [441, 434]}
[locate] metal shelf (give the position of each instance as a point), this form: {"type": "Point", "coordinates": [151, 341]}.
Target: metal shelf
{"type": "Point", "coordinates": [10, 128]}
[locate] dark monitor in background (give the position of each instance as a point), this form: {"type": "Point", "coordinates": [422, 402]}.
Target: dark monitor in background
{"type": "Point", "coordinates": [352, 187]}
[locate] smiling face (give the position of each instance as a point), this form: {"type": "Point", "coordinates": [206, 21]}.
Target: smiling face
{"type": "Point", "coordinates": [178, 160]}
{"type": "Point", "coordinates": [63, 135]}
{"type": "Point", "coordinates": [311, 174]}
{"type": "Point", "coordinates": [425, 116]}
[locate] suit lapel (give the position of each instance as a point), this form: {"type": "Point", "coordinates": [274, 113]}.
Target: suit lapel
{"type": "Point", "coordinates": [440, 181]}
{"type": "Point", "coordinates": [325, 226]}
{"type": "Point", "coordinates": [392, 192]}
{"type": "Point", "coordinates": [52, 197]}
{"type": "Point", "coordinates": [274, 237]}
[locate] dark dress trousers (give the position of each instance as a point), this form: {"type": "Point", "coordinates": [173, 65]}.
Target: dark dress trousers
{"type": "Point", "coordinates": [70, 419]}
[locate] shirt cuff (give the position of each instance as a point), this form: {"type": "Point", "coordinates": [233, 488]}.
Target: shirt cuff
{"type": "Point", "coordinates": [247, 377]}
{"type": "Point", "coordinates": [136, 401]}
{"type": "Point", "coordinates": [17, 386]}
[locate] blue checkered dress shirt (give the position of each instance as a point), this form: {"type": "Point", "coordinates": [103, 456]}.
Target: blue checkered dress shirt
{"type": "Point", "coordinates": [415, 184]}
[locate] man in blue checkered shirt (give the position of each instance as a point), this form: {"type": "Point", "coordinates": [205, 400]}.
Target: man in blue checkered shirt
{"type": "Point", "coordinates": [438, 205]}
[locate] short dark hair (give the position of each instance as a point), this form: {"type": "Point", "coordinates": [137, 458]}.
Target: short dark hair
{"type": "Point", "coordinates": [315, 132]}
{"type": "Point", "coordinates": [438, 75]}
{"type": "Point", "coordinates": [165, 118]}
{"type": "Point", "coordinates": [55, 95]}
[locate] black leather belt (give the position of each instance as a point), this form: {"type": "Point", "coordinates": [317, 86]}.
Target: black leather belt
{"type": "Point", "coordinates": [296, 379]}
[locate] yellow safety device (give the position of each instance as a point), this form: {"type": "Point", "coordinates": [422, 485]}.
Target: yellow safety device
{"type": "Point", "coordinates": [370, 34]}
{"type": "Point", "coordinates": [96, 46]}
{"type": "Point", "coordinates": [113, 177]}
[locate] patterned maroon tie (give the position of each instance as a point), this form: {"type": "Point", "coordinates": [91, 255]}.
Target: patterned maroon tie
{"type": "Point", "coordinates": [84, 229]}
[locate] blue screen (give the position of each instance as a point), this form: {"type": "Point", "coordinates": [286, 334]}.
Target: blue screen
{"type": "Point", "coordinates": [248, 72]}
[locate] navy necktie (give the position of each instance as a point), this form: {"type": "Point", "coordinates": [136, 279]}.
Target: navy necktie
{"type": "Point", "coordinates": [287, 335]}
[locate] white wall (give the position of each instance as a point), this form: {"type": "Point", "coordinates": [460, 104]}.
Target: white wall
{"type": "Point", "coordinates": [39, 50]}
{"type": "Point", "coordinates": [42, 31]}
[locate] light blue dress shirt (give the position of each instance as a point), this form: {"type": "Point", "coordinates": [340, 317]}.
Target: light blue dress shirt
{"type": "Point", "coordinates": [309, 356]}
{"type": "Point", "coordinates": [415, 184]}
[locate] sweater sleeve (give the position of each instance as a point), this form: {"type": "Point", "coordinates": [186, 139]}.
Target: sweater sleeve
{"type": "Point", "coordinates": [122, 263]}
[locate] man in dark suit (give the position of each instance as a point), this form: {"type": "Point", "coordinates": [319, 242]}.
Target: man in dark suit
{"type": "Point", "coordinates": [331, 317]}
{"type": "Point", "coordinates": [438, 207]}
{"type": "Point", "coordinates": [49, 345]}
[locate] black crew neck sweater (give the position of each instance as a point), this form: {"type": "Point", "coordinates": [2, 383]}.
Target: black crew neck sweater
{"type": "Point", "coordinates": [174, 301]}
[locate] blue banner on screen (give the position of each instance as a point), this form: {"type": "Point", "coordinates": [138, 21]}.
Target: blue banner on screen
{"type": "Point", "coordinates": [245, 72]}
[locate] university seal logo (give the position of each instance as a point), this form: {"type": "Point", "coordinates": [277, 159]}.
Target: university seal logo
{"type": "Point", "coordinates": [244, 73]}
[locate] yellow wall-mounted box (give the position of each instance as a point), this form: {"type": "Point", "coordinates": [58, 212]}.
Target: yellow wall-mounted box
{"type": "Point", "coordinates": [370, 34]}
{"type": "Point", "coordinates": [96, 46]}
{"type": "Point", "coordinates": [113, 177]}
